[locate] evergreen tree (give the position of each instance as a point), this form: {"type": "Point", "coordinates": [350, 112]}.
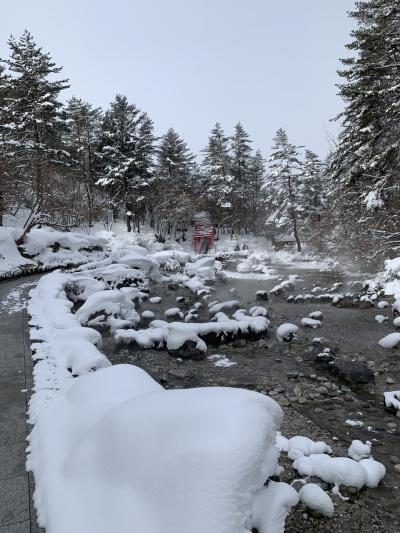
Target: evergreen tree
{"type": "Point", "coordinates": [32, 133]}
{"type": "Point", "coordinates": [282, 187]}
{"type": "Point", "coordinates": [218, 179]}
{"type": "Point", "coordinates": [311, 189]}
{"type": "Point", "coordinates": [241, 162]}
{"type": "Point", "coordinates": [365, 166]}
{"type": "Point", "coordinates": [255, 188]}
{"type": "Point", "coordinates": [174, 159]}
{"type": "Point", "coordinates": [127, 147]}
{"type": "Point", "coordinates": [82, 138]}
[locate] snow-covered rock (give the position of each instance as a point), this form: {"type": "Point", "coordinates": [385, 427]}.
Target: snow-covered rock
{"type": "Point", "coordinates": [299, 446]}
{"type": "Point", "coordinates": [310, 322]}
{"type": "Point", "coordinates": [10, 258]}
{"type": "Point", "coordinates": [271, 506]}
{"type": "Point", "coordinates": [38, 239]}
{"type": "Point", "coordinates": [392, 400]}
{"type": "Point", "coordinates": [375, 472]}
{"type": "Point", "coordinates": [258, 310]}
{"type": "Point", "coordinates": [173, 311]}
{"type": "Point", "coordinates": [286, 332]}
{"type": "Point", "coordinates": [358, 450]}
{"type": "Point", "coordinates": [217, 307]}
{"type": "Point", "coordinates": [164, 256]}
{"type": "Point", "coordinates": [148, 314]}
{"type": "Point", "coordinates": [116, 435]}
{"type": "Point", "coordinates": [380, 318]}
{"type": "Point", "coordinates": [316, 315]}
{"type": "Point", "coordinates": [204, 268]}
{"type": "Point", "coordinates": [155, 299]}
{"type": "Point", "coordinates": [313, 497]}
{"type": "Point", "coordinates": [390, 341]}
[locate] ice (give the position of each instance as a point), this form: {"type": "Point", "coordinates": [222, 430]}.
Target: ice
{"type": "Point", "coordinates": [313, 497]}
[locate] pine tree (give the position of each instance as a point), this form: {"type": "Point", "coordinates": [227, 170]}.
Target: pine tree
{"type": "Point", "coordinates": [241, 161]}
{"type": "Point", "coordinates": [282, 187]}
{"type": "Point", "coordinates": [311, 189]}
{"type": "Point", "coordinates": [218, 179]}
{"type": "Point", "coordinates": [127, 147]}
{"type": "Point", "coordinates": [174, 159]}
{"type": "Point", "coordinates": [82, 138]}
{"type": "Point", "coordinates": [255, 188]}
{"type": "Point", "coordinates": [35, 142]}
{"type": "Point", "coordinates": [365, 166]}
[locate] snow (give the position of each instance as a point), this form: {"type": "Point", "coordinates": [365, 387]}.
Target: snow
{"type": "Point", "coordinates": [155, 299]}
{"type": "Point", "coordinates": [286, 332]}
{"type": "Point", "coordinates": [310, 323]}
{"type": "Point", "coordinates": [10, 258]}
{"type": "Point", "coordinates": [358, 450]}
{"type": "Point", "coordinates": [271, 506]}
{"type": "Point", "coordinates": [221, 360]}
{"type": "Point", "coordinates": [148, 314]}
{"type": "Point", "coordinates": [382, 304]}
{"type": "Point", "coordinates": [390, 341]}
{"type": "Point", "coordinates": [164, 256]}
{"type": "Point", "coordinates": [396, 322]}
{"type": "Point", "coordinates": [207, 451]}
{"type": "Point", "coordinates": [217, 307]}
{"type": "Point", "coordinates": [380, 318]}
{"type": "Point", "coordinates": [38, 239]}
{"type": "Point", "coordinates": [392, 399]}
{"type": "Point", "coordinates": [173, 311]}
{"type": "Point", "coordinates": [316, 315]}
{"type": "Point", "coordinates": [354, 423]}
{"type": "Point", "coordinates": [281, 287]}
{"type": "Point", "coordinates": [313, 497]}
{"type": "Point", "coordinates": [299, 446]}
{"type": "Point", "coordinates": [175, 334]}
{"type": "Point", "coordinates": [375, 472]}
{"type": "Point", "coordinates": [204, 268]}
{"type": "Point", "coordinates": [258, 310]}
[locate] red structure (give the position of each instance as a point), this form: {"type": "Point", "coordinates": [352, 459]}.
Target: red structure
{"type": "Point", "coordinates": [203, 237]}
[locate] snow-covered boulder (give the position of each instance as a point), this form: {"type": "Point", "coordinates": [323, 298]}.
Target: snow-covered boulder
{"type": "Point", "coordinates": [310, 322]}
{"type": "Point", "coordinates": [109, 303]}
{"type": "Point", "coordinates": [164, 256]}
{"type": "Point", "coordinates": [271, 506]}
{"type": "Point", "coordinates": [203, 268]}
{"type": "Point", "coordinates": [390, 341]}
{"type": "Point", "coordinates": [358, 450]}
{"type": "Point", "coordinates": [313, 497]}
{"type": "Point", "coordinates": [140, 261]}
{"type": "Point", "coordinates": [286, 332]}
{"type": "Point", "coordinates": [116, 436]}
{"type": "Point", "coordinates": [299, 446]}
{"type": "Point", "coordinates": [392, 401]}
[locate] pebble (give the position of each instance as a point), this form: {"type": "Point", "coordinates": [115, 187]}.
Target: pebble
{"type": "Point", "coordinates": [313, 376]}
{"type": "Point", "coordinates": [318, 410]}
{"type": "Point", "coordinates": [283, 402]}
{"type": "Point", "coordinates": [322, 390]}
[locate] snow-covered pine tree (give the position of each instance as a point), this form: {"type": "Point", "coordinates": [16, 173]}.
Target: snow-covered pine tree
{"type": "Point", "coordinates": [256, 192]}
{"type": "Point", "coordinates": [241, 153]}
{"type": "Point", "coordinates": [173, 190]}
{"type": "Point", "coordinates": [82, 138]}
{"type": "Point", "coordinates": [216, 167]}
{"type": "Point", "coordinates": [365, 166]}
{"type": "Point", "coordinates": [127, 146]}
{"type": "Point", "coordinates": [32, 136]}
{"type": "Point", "coordinates": [282, 187]}
{"type": "Point", "coordinates": [5, 171]}
{"type": "Point", "coordinates": [312, 189]}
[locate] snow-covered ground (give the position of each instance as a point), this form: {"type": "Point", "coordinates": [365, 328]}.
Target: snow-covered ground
{"type": "Point", "coordinates": [155, 460]}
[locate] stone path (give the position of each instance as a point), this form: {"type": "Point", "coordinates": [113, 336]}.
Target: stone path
{"type": "Point", "coordinates": [17, 514]}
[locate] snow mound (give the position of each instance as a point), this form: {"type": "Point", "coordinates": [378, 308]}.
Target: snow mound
{"type": "Point", "coordinates": [299, 446]}
{"type": "Point", "coordinates": [154, 460]}
{"type": "Point", "coordinates": [358, 450]}
{"type": "Point", "coordinates": [313, 497]}
{"type": "Point", "coordinates": [38, 239]}
{"type": "Point", "coordinates": [375, 472]}
{"type": "Point", "coordinates": [286, 332]}
{"type": "Point", "coordinates": [10, 258]}
{"type": "Point", "coordinates": [390, 341]}
{"type": "Point", "coordinates": [310, 323]}
{"type": "Point", "coordinates": [271, 506]}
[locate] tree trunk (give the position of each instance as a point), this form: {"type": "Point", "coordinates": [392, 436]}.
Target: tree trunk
{"type": "Point", "coordinates": [295, 232]}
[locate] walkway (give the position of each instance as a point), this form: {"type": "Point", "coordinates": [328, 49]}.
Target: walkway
{"type": "Point", "coordinates": [17, 514]}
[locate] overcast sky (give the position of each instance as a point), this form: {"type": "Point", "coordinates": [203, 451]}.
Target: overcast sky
{"type": "Point", "coordinates": [190, 63]}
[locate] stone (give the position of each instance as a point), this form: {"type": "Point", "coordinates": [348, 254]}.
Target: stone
{"type": "Point", "coordinates": [283, 402]}
{"type": "Point", "coordinates": [394, 459]}
{"type": "Point", "coordinates": [188, 350]}
{"type": "Point", "coordinates": [322, 390]}
{"type": "Point", "coordinates": [396, 468]}
{"type": "Point", "coordinates": [390, 381]}
{"type": "Point", "coordinates": [351, 371]}
{"type": "Point", "coordinates": [302, 400]}
{"type": "Point", "coordinates": [239, 343]}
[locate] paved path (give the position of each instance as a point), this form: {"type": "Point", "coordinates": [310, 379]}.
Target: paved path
{"type": "Point", "coordinates": [17, 514]}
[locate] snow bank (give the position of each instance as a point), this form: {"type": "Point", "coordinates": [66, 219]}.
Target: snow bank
{"type": "Point", "coordinates": [10, 258]}
{"type": "Point", "coordinates": [154, 460]}
{"type": "Point", "coordinates": [38, 239]}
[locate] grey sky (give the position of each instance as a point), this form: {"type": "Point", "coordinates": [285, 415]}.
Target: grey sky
{"type": "Point", "coordinates": [190, 63]}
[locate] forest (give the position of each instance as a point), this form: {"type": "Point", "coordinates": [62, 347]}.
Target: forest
{"type": "Point", "coordinates": [70, 164]}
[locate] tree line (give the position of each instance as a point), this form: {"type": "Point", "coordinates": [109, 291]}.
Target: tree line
{"type": "Point", "coordinates": [72, 164]}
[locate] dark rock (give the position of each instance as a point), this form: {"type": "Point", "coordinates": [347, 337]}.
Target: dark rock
{"type": "Point", "coordinates": [173, 286]}
{"type": "Point", "coordinates": [351, 372]}
{"type": "Point", "coordinates": [239, 343]}
{"type": "Point", "coordinates": [262, 295]}
{"type": "Point", "coordinates": [188, 350]}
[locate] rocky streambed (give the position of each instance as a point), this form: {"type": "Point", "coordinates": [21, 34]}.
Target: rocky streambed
{"type": "Point", "coordinates": [329, 380]}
